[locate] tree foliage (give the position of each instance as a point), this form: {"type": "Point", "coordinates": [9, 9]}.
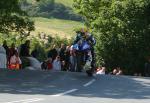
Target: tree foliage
{"type": "Point", "coordinates": [13, 18]}
{"type": "Point", "coordinates": [123, 30]}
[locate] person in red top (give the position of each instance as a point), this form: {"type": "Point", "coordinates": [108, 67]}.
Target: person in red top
{"type": "Point", "coordinates": [49, 64]}
{"type": "Point", "coordinates": [14, 62]}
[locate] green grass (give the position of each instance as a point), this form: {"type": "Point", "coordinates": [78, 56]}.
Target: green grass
{"type": "Point", "coordinates": [64, 28]}
{"type": "Point", "coordinates": [67, 3]}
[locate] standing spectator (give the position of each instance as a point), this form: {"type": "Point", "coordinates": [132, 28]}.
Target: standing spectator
{"type": "Point", "coordinates": [35, 52]}
{"type": "Point", "coordinates": [25, 49]}
{"type": "Point", "coordinates": [147, 68]}
{"type": "Point", "coordinates": [72, 60]}
{"type": "Point", "coordinates": [61, 52]}
{"type": "Point", "coordinates": [12, 49]}
{"type": "Point", "coordinates": [3, 59]}
{"type": "Point", "coordinates": [52, 53]}
{"type": "Point", "coordinates": [6, 47]}
{"type": "Point", "coordinates": [57, 64]}
{"type": "Point", "coordinates": [67, 57]}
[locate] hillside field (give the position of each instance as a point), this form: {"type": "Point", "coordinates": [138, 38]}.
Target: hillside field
{"type": "Point", "coordinates": [63, 28]}
{"type": "Point", "coordinates": [55, 26]}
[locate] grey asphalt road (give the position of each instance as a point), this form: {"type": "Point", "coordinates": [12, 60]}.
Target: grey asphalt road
{"type": "Point", "coordinates": [28, 86]}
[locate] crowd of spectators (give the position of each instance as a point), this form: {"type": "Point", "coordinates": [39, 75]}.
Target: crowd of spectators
{"type": "Point", "coordinates": [13, 54]}
{"type": "Point", "coordinates": [71, 57]}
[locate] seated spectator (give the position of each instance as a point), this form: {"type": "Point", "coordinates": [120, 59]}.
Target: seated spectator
{"type": "Point", "coordinates": [15, 62]}
{"type": "Point", "coordinates": [63, 66]}
{"type": "Point", "coordinates": [12, 49]}
{"type": "Point", "coordinates": [114, 72]}
{"type": "Point", "coordinates": [44, 65]}
{"type": "Point", "coordinates": [47, 64]}
{"type": "Point", "coordinates": [101, 70]}
{"type": "Point", "coordinates": [52, 53]}
{"type": "Point", "coordinates": [117, 71]}
{"type": "Point", "coordinates": [57, 64]}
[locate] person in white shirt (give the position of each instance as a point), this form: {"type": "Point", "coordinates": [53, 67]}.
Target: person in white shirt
{"type": "Point", "coordinates": [57, 64]}
{"type": "Point", "coordinates": [101, 70]}
{"type": "Point", "coordinates": [3, 59]}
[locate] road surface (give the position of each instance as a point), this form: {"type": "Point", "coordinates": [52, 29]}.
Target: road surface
{"type": "Point", "coordinates": [28, 86]}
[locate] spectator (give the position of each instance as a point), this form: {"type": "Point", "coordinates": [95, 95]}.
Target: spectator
{"type": "Point", "coordinates": [44, 65]}
{"type": "Point", "coordinates": [47, 64]}
{"type": "Point", "coordinates": [117, 71]}
{"type": "Point", "coordinates": [67, 57]}
{"type": "Point", "coordinates": [6, 47]}
{"type": "Point", "coordinates": [12, 49]}
{"type": "Point", "coordinates": [114, 72]}
{"type": "Point", "coordinates": [3, 59]}
{"type": "Point", "coordinates": [52, 53]}
{"type": "Point", "coordinates": [147, 68]}
{"type": "Point", "coordinates": [101, 70]}
{"type": "Point", "coordinates": [72, 61]}
{"type": "Point", "coordinates": [57, 64]}
{"type": "Point", "coordinates": [25, 49]}
{"type": "Point", "coordinates": [35, 53]}
{"type": "Point", "coordinates": [61, 52]}
{"type": "Point", "coordinates": [15, 62]}
{"type": "Point", "coordinates": [63, 66]}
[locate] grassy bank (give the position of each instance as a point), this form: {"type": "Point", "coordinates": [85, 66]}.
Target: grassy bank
{"type": "Point", "coordinates": [63, 28]}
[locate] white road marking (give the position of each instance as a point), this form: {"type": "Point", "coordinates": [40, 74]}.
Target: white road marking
{"type": "Point", "coordinates": [60, 94]}
{"type": "Point", "coordinates": [33, 100]}
{"type": "Point", "coordinates": [27, 91]}
{"type": "Point", "coordinates": [89, 83]}
{"type": "Point", "coordinates": [64, 93]}
{"type": "Point", "coordinates": [27, 100]}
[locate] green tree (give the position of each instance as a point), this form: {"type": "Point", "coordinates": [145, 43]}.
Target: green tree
{"type": "Point", "coordinates": [13, 18]}
{"type": "Point", "coordinates": [122, 28]}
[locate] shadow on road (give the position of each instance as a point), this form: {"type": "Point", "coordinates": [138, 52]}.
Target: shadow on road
{"type": "Point", "coordinates": [50, 83]}
{"type": "Point", "coordinates": [118, 87]}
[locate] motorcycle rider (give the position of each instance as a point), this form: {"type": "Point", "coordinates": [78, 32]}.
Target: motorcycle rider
{"type": "Point", "coordinates": [84, 44]}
